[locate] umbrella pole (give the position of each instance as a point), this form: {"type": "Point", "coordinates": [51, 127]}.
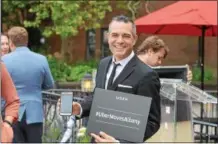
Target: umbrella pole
{"type": "Point", "coordinates": [202, 76]}
{"type": "Point", "coordinates": [199, 51]}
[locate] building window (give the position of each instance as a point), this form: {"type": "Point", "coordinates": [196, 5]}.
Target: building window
{"type": "Point", "coordinates": [105, 51]}
{"type": "Point", "coordinates": [91, 44]}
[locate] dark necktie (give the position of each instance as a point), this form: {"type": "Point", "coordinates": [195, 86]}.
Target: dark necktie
{"type": "Point", "coordinates": [110, 81]}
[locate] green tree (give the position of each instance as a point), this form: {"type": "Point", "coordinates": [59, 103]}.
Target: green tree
{"type": "Point", "coordinates": [64, 18]}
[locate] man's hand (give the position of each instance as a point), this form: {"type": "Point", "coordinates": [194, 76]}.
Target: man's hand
{"type": "Point", "coordinates": [76, 107]}
{"type": "Point", "coordinates": [189, 75]}
{"type": "Point", "coordinates": [103, 137]}
{"type": "Point", "coordinates": [6, 133]}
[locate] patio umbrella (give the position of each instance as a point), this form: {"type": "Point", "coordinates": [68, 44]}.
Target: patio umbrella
{"type": "Point", "coordinates": [192, 18]}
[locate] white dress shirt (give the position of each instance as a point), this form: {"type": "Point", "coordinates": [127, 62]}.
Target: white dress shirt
{"type": "Point", "coordinates": [119, 68]}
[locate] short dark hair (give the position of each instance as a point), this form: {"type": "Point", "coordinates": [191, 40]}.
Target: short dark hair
{"type": "Point", "coordinates": [125, 19]}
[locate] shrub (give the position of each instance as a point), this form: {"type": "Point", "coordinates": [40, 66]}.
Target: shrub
{"type": "Point", "coordinates": [208, 74]}
{"type": "Point", "coordinates": [63, 72]}
{"type": "Point", "coordinates": [91, 63]}
{"type": "Point", "coordinates": [59, 69]}
{"type": "Point", "coordinates": [78, 72]}
{"type": "Point", "coordinates": [51, 134]}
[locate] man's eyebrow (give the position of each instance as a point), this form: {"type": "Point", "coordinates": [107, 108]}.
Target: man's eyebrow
{"type": "Point", "coordinates": [126, 34]}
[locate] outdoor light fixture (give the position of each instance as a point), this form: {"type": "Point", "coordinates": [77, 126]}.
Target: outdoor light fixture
{"type": "Point", "coordinates": [87, 83]}
{"type": "Point", "coordinates": [42, 40]}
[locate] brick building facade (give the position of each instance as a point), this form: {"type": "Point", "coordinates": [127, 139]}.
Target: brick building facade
{"type": "Point", "coordinates": [183, 49]}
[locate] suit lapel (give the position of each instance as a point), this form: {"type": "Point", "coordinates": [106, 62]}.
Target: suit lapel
{"type": "Point", "coordinates": [105, 68]}
{"type": "Point", "coordinates": [128, 69]}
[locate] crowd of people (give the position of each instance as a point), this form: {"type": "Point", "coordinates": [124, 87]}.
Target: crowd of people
{"type": "Point", "coordinates": [24, 74]}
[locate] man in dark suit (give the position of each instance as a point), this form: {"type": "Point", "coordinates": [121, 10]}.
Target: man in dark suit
{"type": "Point", "coordinates": [124, 72]}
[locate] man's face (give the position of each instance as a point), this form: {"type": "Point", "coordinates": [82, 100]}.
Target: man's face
{"type": "Point", "coordinates": [4, 45]}
{"type": "Point", "coordinates": [156, 58]}
{"type": "Point", "coordinates": [121, 39]}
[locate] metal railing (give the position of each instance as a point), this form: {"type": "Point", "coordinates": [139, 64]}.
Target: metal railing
{"type": "Point", "coordinates": [54, 124]}
{"type": "Point", "coordinates": [209, 122]}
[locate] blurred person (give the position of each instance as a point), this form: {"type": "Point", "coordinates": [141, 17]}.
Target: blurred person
{"type": "Point", "coordinates": [4, 50]}
{"type": "Point", "coordinates": [124, 67]}
{"type": "Point", "coordinates": [153, 51]}
{"type": "Point", "coordinates": [4, 45]}
{"type": "Point", "coordinates": [9, 93]}
{"type": "Point", "coordinates": [31, 74]}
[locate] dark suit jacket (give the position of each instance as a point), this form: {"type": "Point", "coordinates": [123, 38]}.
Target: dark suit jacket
{"type": "Point", "coordinates": [144, 82]}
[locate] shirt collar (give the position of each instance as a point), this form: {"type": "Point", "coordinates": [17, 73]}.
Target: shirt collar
{"type": "Point", "coordinates": [22, 48]}
{"type": "Point", "coordinates": [124, 62]}
{"type": "Point", "coordinates": [150, 66]}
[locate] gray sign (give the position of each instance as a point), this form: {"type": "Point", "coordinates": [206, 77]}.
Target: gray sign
{"type": "Point", "coordinates": [121, 115]}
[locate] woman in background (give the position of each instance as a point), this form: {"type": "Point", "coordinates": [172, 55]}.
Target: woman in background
{"type": "Point", "coordinates": [4, 45]}
{"type": "Point", "coordinates": [5, 49]}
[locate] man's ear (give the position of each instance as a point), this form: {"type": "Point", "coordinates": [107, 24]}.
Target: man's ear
{"type": "Point", "coordinates": [136, 38]}
{"type": "Point", "coordinates": [107, 35]}
{"type": "Point", "coordinates": [150, 51]}
{"type": "Point", "coordinates": [11, 46]}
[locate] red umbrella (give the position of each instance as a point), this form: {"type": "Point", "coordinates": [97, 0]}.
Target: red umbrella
{"type": "Point", "coordinates": [181, 18]}
{"type": "Point", "coordinates": [195, 18]}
